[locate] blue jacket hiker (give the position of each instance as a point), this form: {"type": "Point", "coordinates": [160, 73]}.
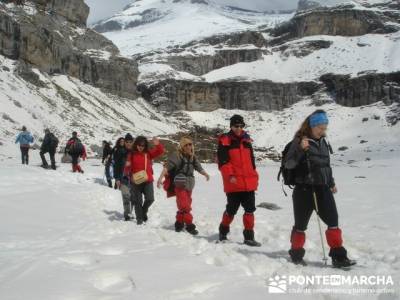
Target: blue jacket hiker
{"type": "Point", "coordinates": [24, 139]}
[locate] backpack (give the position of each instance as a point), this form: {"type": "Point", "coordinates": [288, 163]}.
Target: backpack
{"type": "Point", "coordinates": [169, 182]}
{"type": "Point", "coordinates": [76, 147]}
{"type": "Point", "coordinates": [53, 141]}
{"type": "Point", "coordinates": [288, 175]}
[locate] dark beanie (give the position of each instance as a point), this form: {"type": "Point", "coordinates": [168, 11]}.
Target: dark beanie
{"type": "Point", "coordinates": [236, 120]}
{"type": "Point", "coordinates": [128, 137]}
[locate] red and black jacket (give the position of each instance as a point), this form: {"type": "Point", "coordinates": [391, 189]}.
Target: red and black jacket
{"type": "Point", "coordinates": [236, 158]}
{"type": "Point", "coordinates": [136, 161]}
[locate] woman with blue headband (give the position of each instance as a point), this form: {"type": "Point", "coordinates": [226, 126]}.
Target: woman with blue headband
{"type": "Point", "coordinates": [309, 159]}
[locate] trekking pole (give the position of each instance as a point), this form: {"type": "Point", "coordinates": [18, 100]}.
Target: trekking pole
{"type": "Point", "coordinates": [325, 259]}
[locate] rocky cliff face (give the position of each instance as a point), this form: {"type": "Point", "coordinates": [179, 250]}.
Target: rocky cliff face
{"type": "Point", "coordinates": [343, 20]}
{"type": "Point", "coordinates": [365, 89]}
{"type": "Point", "coordinates": [255, 38]}
{"type": "Point", "coordinates": [204, 96]}
{"type": "Point", "coordinates": [74, 11]}
{"type": "Point", "coordinates": [249, 94]}
{"type": "Point", "coordinates": [202, 64]}
{"type": "Point", "coordinates": [56, 41]}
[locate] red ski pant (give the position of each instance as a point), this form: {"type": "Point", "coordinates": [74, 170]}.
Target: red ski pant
{"type": "Point", "coordinates": [184, 204]}
{"type": "Point", "coordinates": [234, 200]}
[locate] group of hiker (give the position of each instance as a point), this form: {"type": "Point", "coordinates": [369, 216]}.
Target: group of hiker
{"type": "Point", "coordinates": [74, 148]}
{"type": "Point", "coordinates": [305, 166]}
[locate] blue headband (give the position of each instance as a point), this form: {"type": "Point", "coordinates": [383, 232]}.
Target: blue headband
{"type": "Point", "coordinates": [318, 119]}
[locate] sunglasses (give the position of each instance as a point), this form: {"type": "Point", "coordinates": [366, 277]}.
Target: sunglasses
{"type": "Point", "coordinates": [239, 126]}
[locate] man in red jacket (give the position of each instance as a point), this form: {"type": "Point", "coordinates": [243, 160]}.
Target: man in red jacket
{"type": "Point", "coordinates": [237, 165]}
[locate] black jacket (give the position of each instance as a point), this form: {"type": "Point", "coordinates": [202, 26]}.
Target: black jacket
{"type": "Point", "coordinates": [319, 155]}
{"type": "Point", "coordinates": [107, 153]}
{"type": "Point", "coordinates": [50, 143]}
{"type": "Point", "coordinates": [119, 155]}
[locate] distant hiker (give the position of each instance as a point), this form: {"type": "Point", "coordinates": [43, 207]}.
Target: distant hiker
{"type": "Point", "coordinates": [49, 145]}
{"type": "Point", "coordinates": [121, 179]}
{"type": "Point", "coordinates": [75, 149]}
{"type": "Point", "coordinates": [24, 139]}
{"type": "Point", "coordinates": [240, 178]}
{"type": "Point", "coordinates": [118, 157]}
{"type": "Point", "coordinates": [107, 161]}
{"type": "Point", "coordinates": [179, 175]}
{"type": "Point", "coordinates": [140, 170]}
{"type": "Point", "coordinates": [309, 148]}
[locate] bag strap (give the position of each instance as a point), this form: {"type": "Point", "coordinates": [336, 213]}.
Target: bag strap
{"type": "Point", "coordinates": [145, 162]}
{"type": "Point", "coordinates": [182, 165]}
{"type": "Point", "coordinates": [279, 174]}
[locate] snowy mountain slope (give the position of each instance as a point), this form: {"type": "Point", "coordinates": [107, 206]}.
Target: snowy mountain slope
{"type": "Point", "coordinates": [345, 55]}
{"type": "Point", "coordinates": [159, 24]}
{"type": "Point", "coordinates": [293, 61]}
{"type": "Point", "coordinates": [79, 247]}
{"type": "Point", "coordinates": [265, 59]}
{"type": "Point", "coordinates": [64, 104]}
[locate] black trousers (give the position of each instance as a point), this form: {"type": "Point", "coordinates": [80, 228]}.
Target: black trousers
{"type": "Point", "coordinates": [141, 208]}
{"type": "Point", "coordinates": [24, 155]}
{"type": "Point", "coordinates": [303, 206]}
{"type": "Point", "coordinates": [52, 158]}
{"type": "Point", "coordinates": [246, 199]}
{"type": "Point", "coordinates": [75, 159]}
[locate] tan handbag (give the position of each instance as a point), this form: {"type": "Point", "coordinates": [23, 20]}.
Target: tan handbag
{"type": "Point", "coordinates": [141, 176]}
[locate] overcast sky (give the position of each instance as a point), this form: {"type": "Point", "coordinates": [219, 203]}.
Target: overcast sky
{"type": "Point", "coordinates": [101, 9]}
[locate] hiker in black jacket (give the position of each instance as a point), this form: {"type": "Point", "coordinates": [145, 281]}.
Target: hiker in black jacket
{"type": "Point", "coordinates": [309, 158]}
{"type": "Point", "coordinates": [107, 161]}
{"type": "Point", "coordinates": [49, 145]}
{"type": "Point", "coordinates": [75, 149]}
{"type": "Point", "coordinates": [119, 154]}
{"type": "Point", "coordinates": [122, 180]}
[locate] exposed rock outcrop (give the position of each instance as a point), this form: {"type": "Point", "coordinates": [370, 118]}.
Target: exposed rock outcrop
{"type": "Point", "coordinates": [67, 47]}
{"type": "Point", "coordinates": [341, 20]}
{"type": "Point", "coordinates": [74, 11]}
{"type": "Point", "coordinates": [365, 89]}
{"type": "Point", "coordinates": [246, 95]}
{"type": "Point", "coordinates": [302, 48]}
{"type": "Point", "coordinates": [202, 64]}
{"type": "Point", "coordinates": [255, 38]}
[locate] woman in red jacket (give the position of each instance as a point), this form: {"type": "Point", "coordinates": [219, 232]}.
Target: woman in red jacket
{"type": "Point", "coordinates": [237, 165]}
{"type": "Point", "coordinates": [140, 171]}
